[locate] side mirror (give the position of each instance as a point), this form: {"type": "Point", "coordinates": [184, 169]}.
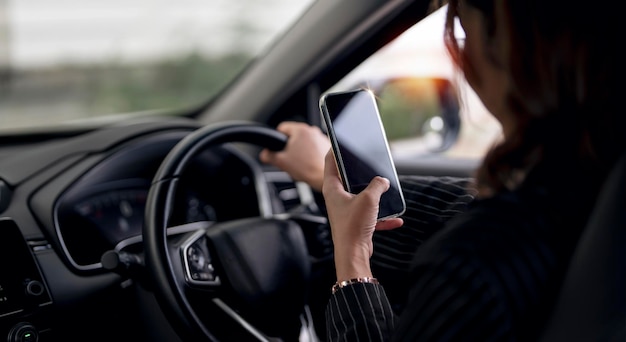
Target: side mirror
{"type": "Point", "coordinates": [420, 114]}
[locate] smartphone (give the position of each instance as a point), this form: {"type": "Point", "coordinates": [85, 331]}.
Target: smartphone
{"type": "Point", "coordinates": [360, 146]}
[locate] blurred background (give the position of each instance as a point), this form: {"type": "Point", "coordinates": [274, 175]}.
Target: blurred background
{"type": "Point", "coordinates": [70, 59]}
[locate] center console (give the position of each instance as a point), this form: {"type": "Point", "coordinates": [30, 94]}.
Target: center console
{"type": "Point", "coordinates": [23, 292]}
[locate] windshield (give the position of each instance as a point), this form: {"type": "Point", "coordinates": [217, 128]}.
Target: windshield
{"type": "Point", "coordinates": [70, 60]}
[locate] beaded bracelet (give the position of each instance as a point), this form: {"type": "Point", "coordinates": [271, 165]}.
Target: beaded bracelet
{"type": "Point", "coordinates": [340, 284]}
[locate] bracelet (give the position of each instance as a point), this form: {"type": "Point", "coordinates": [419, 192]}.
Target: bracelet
{"type": "Point", "coordinates": [340, 284]}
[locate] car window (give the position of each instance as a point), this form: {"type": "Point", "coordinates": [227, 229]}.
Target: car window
{"type": "Point", "coordinates": [67, 60]}
{"type": "Point", "coordinates": [419, 92]}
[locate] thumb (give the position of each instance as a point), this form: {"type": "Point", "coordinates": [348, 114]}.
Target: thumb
{"type": "Point", "coordinates": [378, 186]}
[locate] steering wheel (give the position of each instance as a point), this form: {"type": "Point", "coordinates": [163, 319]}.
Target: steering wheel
{"type": "Point", "coordinates": [244, 279]}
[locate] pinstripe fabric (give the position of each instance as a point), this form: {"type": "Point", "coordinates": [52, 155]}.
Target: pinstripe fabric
{"type": "Point", "coordinates": [373, 319]}
{"type": "Point", "coordinates": [489, 275]}
{"type": "Point", "coordinates": [431, 201]}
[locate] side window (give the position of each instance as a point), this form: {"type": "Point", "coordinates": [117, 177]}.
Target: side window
{"type": "Point", "coordinates": [426, 106]}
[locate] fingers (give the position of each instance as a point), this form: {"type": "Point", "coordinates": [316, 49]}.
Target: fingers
{"type": "Point", "coordinates": [285, 127]}
{"type": "Point", "coordinates": [288, 127]}
{"type": "Point", "coordinates": [266, 156]}
{"type": "Point", "coordinates": [389, 224]}
{"type": "Point", "coordinates": [330, 167]}
{"type": "Point", "coordinates": [331, 182]}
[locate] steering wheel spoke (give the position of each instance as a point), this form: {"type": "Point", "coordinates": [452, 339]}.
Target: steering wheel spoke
{"type": "Point", "coordinates": [197, 261]}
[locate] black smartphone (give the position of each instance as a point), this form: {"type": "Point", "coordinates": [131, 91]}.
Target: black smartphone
{"type": "Point", "coordinates": [360, 146]}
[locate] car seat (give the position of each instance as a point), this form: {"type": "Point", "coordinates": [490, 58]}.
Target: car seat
{"type": "Point", "coordinates": [592, 302]}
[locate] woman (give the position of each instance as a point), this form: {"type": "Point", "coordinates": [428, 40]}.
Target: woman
{"type": "Point", "coordinates": [552, 73]}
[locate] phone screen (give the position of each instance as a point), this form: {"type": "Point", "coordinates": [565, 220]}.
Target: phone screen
{"type": "Point", "coordinates": [360, 146]}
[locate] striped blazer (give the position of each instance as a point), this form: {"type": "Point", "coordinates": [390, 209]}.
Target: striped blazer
{"type": "Point", "coordinates": [460, 269]}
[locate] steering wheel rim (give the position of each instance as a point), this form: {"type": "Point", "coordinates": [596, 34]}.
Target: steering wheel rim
{"type": "Point", "coordinates": [169, 289]}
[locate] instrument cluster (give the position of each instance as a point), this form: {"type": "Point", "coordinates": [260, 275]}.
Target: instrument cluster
{"type": "Point", "coordinates": [105, 208]}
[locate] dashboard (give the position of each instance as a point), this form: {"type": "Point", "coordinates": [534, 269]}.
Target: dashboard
{"type": "Point", "coordinates": [65, 202]}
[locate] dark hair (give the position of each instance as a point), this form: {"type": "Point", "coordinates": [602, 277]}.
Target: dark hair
{"type": "Point", "coordinates": [567, 73]}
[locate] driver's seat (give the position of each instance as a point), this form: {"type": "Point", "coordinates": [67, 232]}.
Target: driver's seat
{"type": "Point", "coordinates": [592, 302]}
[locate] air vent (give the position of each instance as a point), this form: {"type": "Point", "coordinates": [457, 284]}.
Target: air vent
{"type": "Point", "coordinates": [291, 194]}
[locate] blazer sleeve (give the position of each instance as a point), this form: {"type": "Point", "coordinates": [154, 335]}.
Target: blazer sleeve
{"type": "Point", "coordinates": [359, 312]}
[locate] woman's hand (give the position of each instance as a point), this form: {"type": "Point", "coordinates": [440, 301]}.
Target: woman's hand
{"type": "Point", "coordinates": [303, 156]}
{"type": "Point", "coordinates": [353, 220]}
